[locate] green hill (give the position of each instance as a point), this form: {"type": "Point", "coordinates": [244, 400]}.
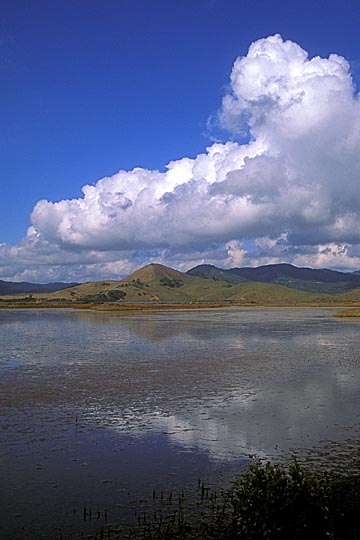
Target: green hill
{"type": "Point", "coordinates": [156, 272]}
{"type": "Point", "coordinates": [152, 283]}
{"type": "Point", "coordinates": [156, 283]}
{"type": "Point", "coordinates": [305, 279]}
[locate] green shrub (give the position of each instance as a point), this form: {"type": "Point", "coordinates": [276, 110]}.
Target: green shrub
{"type": "Point", "coordinates": [268, 502]}
{"type": "Point", "coordinates": [172, 283]}
{"type": "Point", "coordinates": [116, 294]}
{"type": "Point", "coordinates": [271, 503]}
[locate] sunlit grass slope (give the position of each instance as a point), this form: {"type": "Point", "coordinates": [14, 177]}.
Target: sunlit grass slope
{"type": "Point", "coordinates": [158, 283]}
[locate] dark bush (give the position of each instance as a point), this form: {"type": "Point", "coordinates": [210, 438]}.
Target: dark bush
{"type": "Point", "coordinates": [273, 504]}
{"type": "Point", "coordinates": [116, 295]}
{"type": "Point", "coordinates": [172, 283]}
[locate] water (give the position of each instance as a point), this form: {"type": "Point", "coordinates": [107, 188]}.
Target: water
{"type": "Point", "coordinates": [98, 409]}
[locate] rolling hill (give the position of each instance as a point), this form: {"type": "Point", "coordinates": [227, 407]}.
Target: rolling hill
{"type": "Point", "coordinates": [153, 272]}
{"type": "Point", "coordinates": [152, 283]}
{"type": "Point", "coordinates": [156, 283]}
{"type": "Point", "coordinates": [15, 287]}
{"type": "Point", "coordinates": [305, 279]}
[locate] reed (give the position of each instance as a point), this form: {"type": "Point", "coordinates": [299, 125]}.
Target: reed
{"type": "Point", "coordinates": [267, 502]}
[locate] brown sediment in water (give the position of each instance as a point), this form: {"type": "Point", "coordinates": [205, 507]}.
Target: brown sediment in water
{"type": "Point", "coordinates": [155, 306]}
{"type": "Point", "coordinates": [348, 313]}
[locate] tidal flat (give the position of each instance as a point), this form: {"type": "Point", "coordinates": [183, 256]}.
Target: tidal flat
{"type": "Point", "coordinates": [99, 410]}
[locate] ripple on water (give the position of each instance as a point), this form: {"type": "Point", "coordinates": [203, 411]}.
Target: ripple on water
{"type": "Point", "coordinates": [96, 409]}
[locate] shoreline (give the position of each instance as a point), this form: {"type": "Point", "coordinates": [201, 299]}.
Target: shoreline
{"type": "Point", "coordinates": [351, 309]}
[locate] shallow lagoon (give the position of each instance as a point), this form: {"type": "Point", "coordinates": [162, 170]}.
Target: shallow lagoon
{"type": "Point", "coordinates": [98, 409]}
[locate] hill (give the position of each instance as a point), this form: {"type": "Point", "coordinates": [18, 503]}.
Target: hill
{"type": "Point", "coordinates": [156, 283]}
{"type": "Point", "coordinates": [14, 287]}
{"type": "Point", "coordinates": [152, 283]}
{"type": "Point", "coordinates": [153, 272]}
{"type": "Point", "coordinates": [305, 279]}
{"type": "Point", "coordinates": [159, 283]}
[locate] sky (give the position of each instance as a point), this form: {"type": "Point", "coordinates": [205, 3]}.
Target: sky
{"type": "Point", "coordinates": [216, 131]}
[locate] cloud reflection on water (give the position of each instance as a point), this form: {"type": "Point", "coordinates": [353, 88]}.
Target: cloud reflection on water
{"type": "Point", "coordinates": [227, 382]}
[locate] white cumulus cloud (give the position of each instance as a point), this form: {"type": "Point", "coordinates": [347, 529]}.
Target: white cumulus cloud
{"type": "Point", "coordinates": [290, 193]}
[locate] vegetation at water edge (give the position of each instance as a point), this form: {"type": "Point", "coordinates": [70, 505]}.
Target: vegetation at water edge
{"type": "Point", "coordinates": [268, 502]}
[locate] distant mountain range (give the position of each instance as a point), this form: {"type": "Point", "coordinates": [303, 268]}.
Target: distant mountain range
{"type": "Point", "coordinates": [15, 287]}
{"type": "Point", "coordinates": [271, 284]}
{"type": "Point", "coordinates": [287, 275]}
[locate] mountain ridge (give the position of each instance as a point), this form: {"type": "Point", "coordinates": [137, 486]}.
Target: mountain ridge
{"type": "Point", "coordinates": [277, 284]}
{"type": "Point", "coordinates": [301, 278]}
{"type": "Point", "coordinates": [22, 287]}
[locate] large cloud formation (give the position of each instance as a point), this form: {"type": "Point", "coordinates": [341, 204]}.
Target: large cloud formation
{"type": "Point", "coordinates": [291, 193]}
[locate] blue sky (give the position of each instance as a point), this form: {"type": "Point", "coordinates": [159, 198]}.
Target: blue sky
{"type": "Point", "coordinates": [89, 88]}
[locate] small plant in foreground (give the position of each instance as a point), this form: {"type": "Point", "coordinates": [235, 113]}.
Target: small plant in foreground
{"type": "Point", "coordinates": [271, 503]}
{"type": "Point", "coordinates": [267, 502]}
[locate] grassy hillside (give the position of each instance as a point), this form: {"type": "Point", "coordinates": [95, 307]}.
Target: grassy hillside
{"type": "Point", "coordinates": [153, 283]}
{"type": "Point", "coordinates": [305, 279]}
{"type": "Point", "coordinates": [263, 293]}
{"type": "Point", "coordinates": [156, 272]}
{"type": "Point", "coordinates": [159, 284]}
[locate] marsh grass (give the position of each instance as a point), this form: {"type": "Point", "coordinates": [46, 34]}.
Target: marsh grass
{"type": "Point", "coordinates": [267, 502]}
